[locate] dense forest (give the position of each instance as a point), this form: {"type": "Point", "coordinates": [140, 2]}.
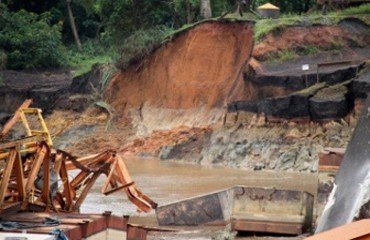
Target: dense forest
{"type": "Point", "coordinates": [77, 33]}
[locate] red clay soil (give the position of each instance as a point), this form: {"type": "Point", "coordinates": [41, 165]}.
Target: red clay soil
{"type": "Point", "coordinates": [322, 37]}
{"type": "Point", "coordinates": [201, 67]}
{"type": "Point", "coordinates": [153, 143]}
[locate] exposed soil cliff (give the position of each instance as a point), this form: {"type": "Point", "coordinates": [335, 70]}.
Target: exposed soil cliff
{"type": "Point", "coordinates": [198, 69]}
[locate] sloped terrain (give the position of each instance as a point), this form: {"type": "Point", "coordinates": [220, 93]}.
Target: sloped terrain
{"type": "Point", "coordinates": [201, 68]}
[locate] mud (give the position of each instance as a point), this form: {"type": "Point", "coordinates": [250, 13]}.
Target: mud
{"type": "Point", "coordinates": [168, 182]}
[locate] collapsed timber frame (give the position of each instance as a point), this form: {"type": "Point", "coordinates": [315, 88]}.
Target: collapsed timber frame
{"type": "Point", "coordinates": [33, 168]}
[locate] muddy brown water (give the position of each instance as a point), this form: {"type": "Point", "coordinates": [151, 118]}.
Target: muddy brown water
{"type": "Point", "coordinates": [166, 182]}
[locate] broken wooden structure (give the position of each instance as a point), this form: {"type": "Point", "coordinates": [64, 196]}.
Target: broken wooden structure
{"type": "Point", "coordinates": [330, 159]}
{"type": "Point", "coordinates": [359, 230]}
{"type": "Point", "coordinates": [248, 209]}
{"type": "Point", "coordinates": [35, 174]}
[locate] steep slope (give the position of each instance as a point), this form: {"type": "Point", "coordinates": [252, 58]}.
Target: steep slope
{"type": "Point", "coordinates": [200, 69]}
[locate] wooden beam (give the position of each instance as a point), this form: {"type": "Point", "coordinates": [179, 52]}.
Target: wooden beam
{"type": "Point", "coordinates": [9, 124]}
{"type": "Point", "coordinates": [86, 190]}
{"type": "Point", "coordinates": [42, 153]}
{"type": "Point", "coordinates": [6, 175]}
{"type": "Point", "coordinates": [19, 176]}
{"type": "Point", "coordinates": [46, 182]}
{"type": "Point", "coordinates": [67, 191]}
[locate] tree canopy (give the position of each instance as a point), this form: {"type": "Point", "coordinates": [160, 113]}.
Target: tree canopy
{"type": "Point", "coordinates": [33, 33]}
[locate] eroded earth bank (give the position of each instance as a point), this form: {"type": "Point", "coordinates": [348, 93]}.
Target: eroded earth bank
{"type": "Point", "coordinates": [215, 96]}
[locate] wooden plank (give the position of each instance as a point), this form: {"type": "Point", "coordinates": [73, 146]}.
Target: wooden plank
{"type": "Point", "coordinates": [25, 123]}
{"type": "Point", "coordinates": [109, 177]}
{"type": "Point", "coordinates": [9, 124]}
{"type": "Point", "coordinates": [6, 175]}
{"type": "Point", "coordinates": [86, 189]}
{"type": "Point", "coordinates": [42, 153]}
{"type": "Point", "coordinates": [46, 182]}
{"type": "Point", "coordinates": [352, 231]}
{"type": "Point", "coordinates": [67, 191]}
{"type": "Point", "coordinates": [19, 177]}
{"type": "Point", "coordinates": [266, 227]}
{"type": "Point", "coordinates": [19, 142]}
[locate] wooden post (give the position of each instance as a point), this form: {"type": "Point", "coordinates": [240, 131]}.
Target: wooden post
{"type": "Point", "coordinates": [6, 175]}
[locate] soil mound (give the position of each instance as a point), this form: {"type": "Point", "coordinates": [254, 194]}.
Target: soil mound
{"type": "Point", "coordinates": [348, 33]}
{"type": "Point", "coordinates": [199, 68]}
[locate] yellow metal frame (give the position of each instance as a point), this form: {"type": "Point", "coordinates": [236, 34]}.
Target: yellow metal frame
{"type": "Point", "coordinates": [31, 132]}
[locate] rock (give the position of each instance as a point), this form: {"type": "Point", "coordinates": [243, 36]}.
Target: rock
{"type": "Point", "coordinates": [361, 85]}
{"type": "Point", "coordinates": [89, 81]}
{"type": "Point", "coordinates": [44, 89]}
{"type": "Point", "coordinates": [165, 152]}
{"type": "Point", "coordinates": [331, 103]}
{"type": "Point", "coordinates": [73, 135]}
{"type": "Point", "coordinates": [77, 103]}
{"type": "Point", "coordinates": [259, 166]}
{"type": "Point", "coordinates": [294, 133]}
{"type": "Point", "coordinates": [291, 106]}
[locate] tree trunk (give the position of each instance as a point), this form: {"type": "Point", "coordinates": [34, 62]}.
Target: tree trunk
{"type": "Point", "coordinates": [205, 9]}
{"type": "Point", "coordinates": [73, 25]}
{"type": "Point", "coordinates": [188, 12]}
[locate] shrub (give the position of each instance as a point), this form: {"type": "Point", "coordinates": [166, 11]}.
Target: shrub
{"type": "Point", "coordinates": [141, 44]}
{"type": "Point", "coordinates": [29, 40]}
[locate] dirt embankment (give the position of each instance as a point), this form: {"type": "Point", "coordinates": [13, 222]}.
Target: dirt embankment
{"type": "Point", "coordinates": [348, 33]}
{"type": "Point", "coordinates": [198, 69]}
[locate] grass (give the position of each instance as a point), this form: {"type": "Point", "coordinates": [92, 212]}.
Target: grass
{"type": "Point", "coordinates": [265, 26]}
{"type": "Point", "coordinates": [92, 53]}
{"type": "Point", "coordinates": [312, 90]}
{"type": "Point", "coordinates": [82, 63]}
{"type": "Point", "coordinates": [140, 44]}
{"type": "Point", "coordinates": [289, 54]}
{"type": "Point", "coordinates": [332, 93]}
{"type": "Point", "coordinates": [282, 56]}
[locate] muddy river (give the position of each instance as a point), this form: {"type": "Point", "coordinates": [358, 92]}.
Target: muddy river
{"type": "Point", "coordinates": [166, 182]}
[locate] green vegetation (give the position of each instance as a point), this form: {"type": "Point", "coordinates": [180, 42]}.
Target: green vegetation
{"type": "Point", "coordinates": [140, 44]}
{"type": "Point", "coordinates": [282, 56]}
{"type": "Point", "coordinates": [92, 53]}
{"type": "Point", "coordinates": [265, 26]}
{"type": "Point", "coordinates": [312, 90]}
{"type": "Point", "coordinates": [29, 40]}
{"type": "Point", "coordinates": [289, 54]}
{"type": "Point", "coordinates": [332, 93]}
{"type": "Point", "coordinates": [38, 34]}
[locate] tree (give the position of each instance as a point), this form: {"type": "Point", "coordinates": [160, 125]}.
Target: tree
{"type": "Point", "coordinates": [205, 9]}
{"type": "Point", "coordinates": [73, 25]}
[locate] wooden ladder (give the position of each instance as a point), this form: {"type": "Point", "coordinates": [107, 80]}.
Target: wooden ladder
{"type": "Point", "coordinates": [44, 132]}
